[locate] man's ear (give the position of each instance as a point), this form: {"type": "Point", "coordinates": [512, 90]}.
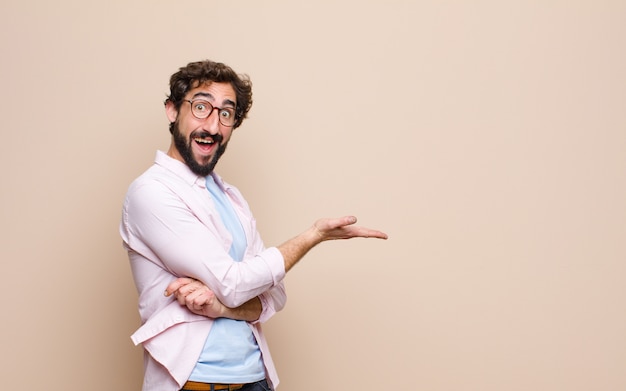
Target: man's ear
{"type": "Point", "coordinates": [170, 111]}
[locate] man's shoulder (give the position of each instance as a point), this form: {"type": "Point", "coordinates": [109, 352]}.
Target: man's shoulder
{"type": "Point", "coordinates": [154, 174]}
{"type": "Point", "coordinates": [157, 178]}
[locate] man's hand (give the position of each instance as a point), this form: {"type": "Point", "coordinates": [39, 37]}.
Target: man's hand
{"type": "Point", "coordinates": [324, 229]}
{"type": "Point", "coordinates": [343, 228]}
{"type": "Point", "coordinates": [201, 300]}
{"type": "Point", "coordinates": [196, 296]}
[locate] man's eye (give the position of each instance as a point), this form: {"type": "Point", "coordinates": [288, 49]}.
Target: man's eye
{"type": "Point", "coordinates": [201, 107]}
{"type": "Point", "coordinates": [226, 113]}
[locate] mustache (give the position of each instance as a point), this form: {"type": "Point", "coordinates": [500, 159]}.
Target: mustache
{"type": "Point", "coordinates": [217, 138]}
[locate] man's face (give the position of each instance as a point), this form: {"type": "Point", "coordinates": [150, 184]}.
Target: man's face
{"type": "Point", "coordinates": [200, 143]}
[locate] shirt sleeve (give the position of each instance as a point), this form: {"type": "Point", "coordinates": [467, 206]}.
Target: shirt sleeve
{"type": "Point", "coordinates": [186, 241]}
{"type": "Point", "coordinates": [272, 301]}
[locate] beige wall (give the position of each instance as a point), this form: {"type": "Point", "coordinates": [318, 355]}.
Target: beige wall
{"type": "Point", "coordinates": [487, 138]}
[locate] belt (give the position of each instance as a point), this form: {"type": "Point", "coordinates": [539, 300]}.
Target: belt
{"type": "Point", "coordinates": [197, 386]}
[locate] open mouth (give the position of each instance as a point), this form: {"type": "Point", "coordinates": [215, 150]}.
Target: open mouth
{"type": "Point", "coordinates": [205, 144]}
{"type": "Point", "coordinates": [204, 141]}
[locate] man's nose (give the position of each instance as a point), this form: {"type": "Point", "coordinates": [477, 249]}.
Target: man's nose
{"type": "Point", "coordinates": [213, 121]}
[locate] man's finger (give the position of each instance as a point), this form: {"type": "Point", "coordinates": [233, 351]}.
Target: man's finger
{"type": "Point", "coordinates": [177, 284]}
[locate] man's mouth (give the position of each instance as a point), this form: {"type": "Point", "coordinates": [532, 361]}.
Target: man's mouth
{"type": "Point", "coordinates": [204, 141]}
{"type": "Point", "coordinates": [205, 145]}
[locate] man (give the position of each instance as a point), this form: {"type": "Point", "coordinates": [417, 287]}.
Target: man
{"type": "Point", "coordinates": [191, 235]}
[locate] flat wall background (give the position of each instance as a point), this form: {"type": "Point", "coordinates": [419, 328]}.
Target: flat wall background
{"type": "Point", "coordinates": [487, 138]}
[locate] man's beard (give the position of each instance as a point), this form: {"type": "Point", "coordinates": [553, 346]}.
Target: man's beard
{"type": "Point", "coordinates": [183, 146]}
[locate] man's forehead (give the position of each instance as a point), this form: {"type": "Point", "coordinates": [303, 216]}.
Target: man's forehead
{"type": "Point", "coordinates": [214, 91]}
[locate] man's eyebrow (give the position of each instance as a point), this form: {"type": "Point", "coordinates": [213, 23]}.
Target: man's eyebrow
{"type": "Point", "coordinates": [229, 102]}
{"type": "Point", "coordinates": [208, 96]}
{"type": "Point", "coordinates": [202, 95]}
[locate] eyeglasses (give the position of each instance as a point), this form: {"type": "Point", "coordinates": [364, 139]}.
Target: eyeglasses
{"type": "Point", "coordinates": [202, 109]}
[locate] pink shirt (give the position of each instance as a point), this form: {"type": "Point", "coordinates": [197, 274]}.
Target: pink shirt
{"type": "Point", "coordinates": [171, 229]}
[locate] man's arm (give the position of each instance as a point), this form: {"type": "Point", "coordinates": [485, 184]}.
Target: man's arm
{"type": "Point", "coordinates": [200, 300]}
{"type": "Point", "coordinates": [296, 248]}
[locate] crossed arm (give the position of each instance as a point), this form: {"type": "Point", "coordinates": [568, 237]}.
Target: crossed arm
{"type": "Point", "coordinates": [200, 300]}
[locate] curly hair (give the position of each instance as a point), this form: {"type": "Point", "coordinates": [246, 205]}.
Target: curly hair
{"type": "Point", "coordinates": [197, 73]}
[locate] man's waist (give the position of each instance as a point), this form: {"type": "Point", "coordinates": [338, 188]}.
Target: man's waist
{"type": "Point", "coordinates": [198, 386]}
